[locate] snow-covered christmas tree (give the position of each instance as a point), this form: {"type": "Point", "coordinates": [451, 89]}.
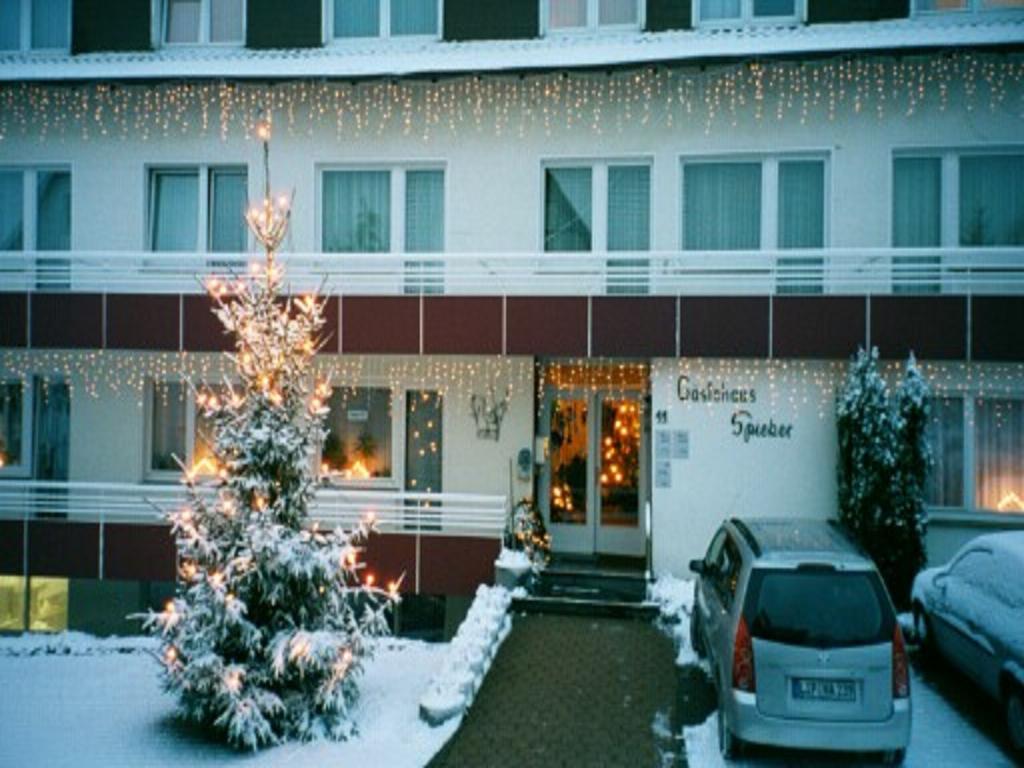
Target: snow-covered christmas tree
{"type": "Point", "coordinates": [271, 622]}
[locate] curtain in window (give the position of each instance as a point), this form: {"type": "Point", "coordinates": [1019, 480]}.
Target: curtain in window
{"type": "Point", "coordinates": [617, 12]}
{"type": "Point", "coordinates": [567, 209]}
{"type": "Point", "coordinates": [721, 206]}
{"type": "Point", "coordinates": [999, 454]}
{"type": "Point", "coordinates": [168, 426]}
{"type": "Point", "coordinates": [719, 9]}
{"type": "Point", "coordinates": [357, 211]}
{"type": "Point", "coordinates": [357, 18]}
{"type": "Point", "coordinates": [228, 196]}
{"type": "Point", "coordinates": [10, 25]}
{"type": "Point", "coordinates": [424, 211]}
{"type": "Point", "coordinates": [567, 13]}
{"type": "Point", "coordinates": [801, 204]}
{"type": "Point", "coordinates": [358, 442]}
{"type": "Point", "coordinates": [774, 8]}
{"type": "Point", "coordinates": [182, 21]}
{"type": "Point", "coordinates": [12, 196]}
{"type": "Point", "coordinates": [225, 21]}
{"type": "Point", "coordinates": [174, 210]}
{"type": "Point", "coordinates": [54, 211]}
{"type": "Point", "coordinates": [51, 435]}
{"type": "Point", "coordinates": [992, 200]}
{"type": "Point", "coordinates": [945, 487]}
{"type": "Point", "coordinates": [10, 423]}
{"type": "Point", "coordinates": [413, 17]}
{"type": "Point", "coordinates": [916, 202]}
{"type": "Point", "coordinates": [629, 208]}
{"type": "Point", "coordinates": [51, 23]}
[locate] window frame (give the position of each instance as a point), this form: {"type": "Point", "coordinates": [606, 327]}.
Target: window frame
{"type": "Point", "coordinates": [747, 17]}
{"type": "Point", "coordinates": [966, 450]}
{"type": "Point", "coordinates": [599, 219]}
{"type": "Point", "coordinates": [384, 25]}
{"type": "Point", "coordinates": [25, 13]}
{"type": "Point", "coordinates": [593, 19]}
{"type": "Point", "coordinates": [205, 18]}
{"type": "Point", "coordinates": [30, 203]}
{"type": "Point", "coordinates": [398, 397]}
{"type": "Point", "coordinates": [971, 8]}
{"type": "Point", "coordinates": [204, 219]}
{"type": "Point", "coordinates": [769, 161]}
{"type": "Point", "coordinates": [23, 469]}
{"type": "Point", "coordinates": [397, 177]}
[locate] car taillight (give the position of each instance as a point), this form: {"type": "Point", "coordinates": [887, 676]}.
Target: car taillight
{"type": "Point", "coordinates": [900, 669]}
{"type": "Point", "coordinates": [743, 659]}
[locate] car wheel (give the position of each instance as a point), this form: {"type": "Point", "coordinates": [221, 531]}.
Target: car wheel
{"type": "Point", "coordinates": [696, 641]}
{"type": "Point", "coordinates": [1015, 717]}
{"type": "Point", "coordinates": [894, 757]}
{"type": "Point", "coordinates": [728, 744]}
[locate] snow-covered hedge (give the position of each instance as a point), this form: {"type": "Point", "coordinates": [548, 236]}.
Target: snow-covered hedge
{"type": "Point", "coordinates": [73, 644]}
{"type": "Point", "coordinates": [674, 598]}
{"type": "Point", "coordinates": [470, 654]}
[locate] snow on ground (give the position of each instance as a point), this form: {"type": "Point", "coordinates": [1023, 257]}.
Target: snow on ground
{"type": "Point", "coordinates": [940, 738]}
{"type": "Point", "coordinates": [674, 598]}
{"type": "Point", "coordinates": [98, 708]}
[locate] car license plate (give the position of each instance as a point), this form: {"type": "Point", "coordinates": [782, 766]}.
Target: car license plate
{"type": "Point", "coordinates": [824, 690]}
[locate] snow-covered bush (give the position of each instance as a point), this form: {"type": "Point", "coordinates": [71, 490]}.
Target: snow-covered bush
{"type": "Point", "coordinates": [266, 636]}
{"type": "Point", "coordinates": [883, 467]}
{"type": "Point", "coordinates": [470, 654]}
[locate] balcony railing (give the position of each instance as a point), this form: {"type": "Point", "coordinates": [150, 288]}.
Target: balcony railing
{"type": "Point", "coordinates": [829, 271]}
{"type": "Point", "coordinates": [425, 514]}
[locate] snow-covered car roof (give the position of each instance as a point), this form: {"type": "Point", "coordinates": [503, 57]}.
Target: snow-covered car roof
{"type": "Point", "coordinates": [396, 58]}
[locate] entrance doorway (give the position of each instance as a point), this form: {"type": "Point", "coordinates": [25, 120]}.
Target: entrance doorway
{"type": "Point", "coordinates": [594, 485]}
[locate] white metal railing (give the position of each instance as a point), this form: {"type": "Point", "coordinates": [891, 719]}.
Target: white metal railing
{"type": "Point", "coordinates": [761, 272]}
{"type": "Point", "coordinates": [426, 514]}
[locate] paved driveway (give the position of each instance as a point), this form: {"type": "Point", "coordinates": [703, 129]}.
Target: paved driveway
{"type": "Point", "coordinates": [574, 691]}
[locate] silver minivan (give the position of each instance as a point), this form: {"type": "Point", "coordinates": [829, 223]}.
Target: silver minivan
{"type": "Point", "coordinates": [802, 640]}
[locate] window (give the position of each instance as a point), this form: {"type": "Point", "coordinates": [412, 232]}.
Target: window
{"type": "Point", "coordinates": [599, 207]}
{"type": "Point", "coordinates": [35, 209]}
{"type": "Point", "coordinates": [722, 206]}
{"type": "Point", "coordinates": [733, 12]}
{"type": "Point", "coordinates": [991, 200]}
{"type": "Point", "coordinates": [353, 19]}
{"type": "Point", "coordinates": [381, 211]}
{"type": "Point", "coordinates": [933, 6]}
{"type": "Point", "coordinates": [945, 485]}
{"type": "Point", "coordinates": [567, 15]}
{"type": "Point", "coordinates": [359, 434]}
{"type": "Point", "coordinates": [12, 603]}
{"type": "Point", "coordinates": [47, 604]}
{"type": "Point", "coordinates": [179, 430]}
{"type": "Point", "coordinates": [200, 22]}
{"type": "Point", "coordinates": [14, 429]}
{"type": "Point", "coordinates": [43, 25]}
{"type": "Point", "coordinates": [916, 222]}
{"type": "Point", "coordinates": [193, 206]}
{"type": "Point", "coordinates": [423, 422]}
{"type": "Point", "coordinates": [999, 455]}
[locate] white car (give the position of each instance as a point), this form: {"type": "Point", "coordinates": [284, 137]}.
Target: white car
{"type": "Point", "coordinates": [971, 612]}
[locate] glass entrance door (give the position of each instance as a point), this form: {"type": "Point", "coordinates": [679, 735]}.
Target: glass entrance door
{"type": "Point", "coordinates": [594, 480]}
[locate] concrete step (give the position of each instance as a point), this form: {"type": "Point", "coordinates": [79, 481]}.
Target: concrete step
{"type": "Point", "coordinates": [579, 606]}
{"type": "Point", "coordinates": [592, 585]}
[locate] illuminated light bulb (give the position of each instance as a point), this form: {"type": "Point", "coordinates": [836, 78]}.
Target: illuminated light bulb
{"type": "Point", "coordinates": [283, 202]}
{"type": "Point", "coordinates": [259, 502]}
{"type": "Point", "coordinates": [604, 479]}
{"type": "Point", "coordinates": [171, 654]}
{"type": "Point", "coordinates": [392, 588]}
{"type": "Point", "coordinates": [370, 579]}
{"type": "Point", "coordinates": [325, 468]}
{"type": "Point", "coordinates": [233, 681]}
{"type": "Point", "coordinates": [264, 129]}
{"type": "Point", "coordinates": [370, 518]}
{"type": "Point", "coordinates": [169, 607]}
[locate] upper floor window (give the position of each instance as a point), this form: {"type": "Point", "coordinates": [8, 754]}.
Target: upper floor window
{"type": "Point", "coordinates": [180, 430]}
{"type": "Point", "coordinates": [736, 12]}
{"type": "Point", "coordinates": [197, 22]}
{"type": "Point", "coordinates": [385, 18]}
{"type": "Point", "coordinates": [198, 208]}
{"type": "Point", "coordinates": [35, 25]}
{"type": "Point", "coordinates": [383, 210]}
{"type": "Point", "coordinates": [35, 209]}
{"type": "Point", "coordinates": [14, 428]}
{"type": "Point", "coordinates": [932, 6]}
{"type": "Point", "coordinates": [599, 207]}
{"type": "Point", "coordinates": [566, 15]}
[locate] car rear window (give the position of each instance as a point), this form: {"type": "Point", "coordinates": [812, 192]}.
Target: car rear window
{"type": "Point", "coordinates": [818, 607]}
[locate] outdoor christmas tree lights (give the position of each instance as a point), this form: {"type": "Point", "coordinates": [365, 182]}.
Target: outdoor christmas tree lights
{"type": "Point", "coordinates": [266, 636]}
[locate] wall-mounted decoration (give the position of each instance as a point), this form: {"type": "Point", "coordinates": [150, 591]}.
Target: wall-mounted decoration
{"type": "Point", "coordinates": [489, 412]}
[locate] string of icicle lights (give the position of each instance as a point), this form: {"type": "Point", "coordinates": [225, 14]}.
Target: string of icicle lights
{"type": "Point", "coordinates": [715, 96]}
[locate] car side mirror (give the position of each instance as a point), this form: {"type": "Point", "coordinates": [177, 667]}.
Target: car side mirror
{"type": "Point", "coordinates": [699, 567]}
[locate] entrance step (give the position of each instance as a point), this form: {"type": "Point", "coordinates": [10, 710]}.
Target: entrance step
{"type": "Point", "coordinates": [595, 585]}
{"type": "Point", "coordinates": [569, 606]}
